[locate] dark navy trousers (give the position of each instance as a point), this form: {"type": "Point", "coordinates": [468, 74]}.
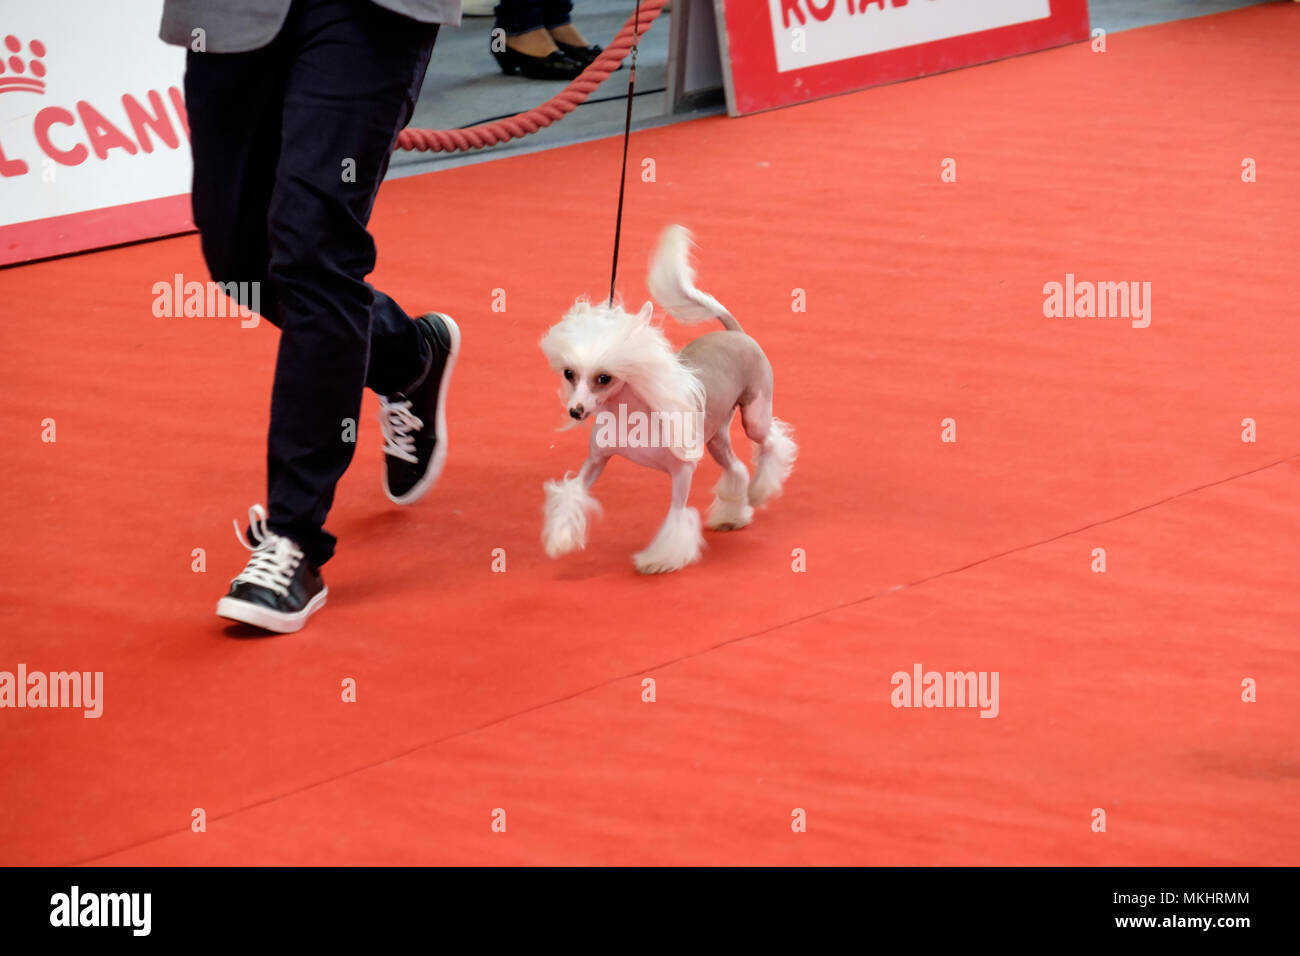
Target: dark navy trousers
{"type": "Point", "coordinates": [290, 144]}
{"type": "Point", "coordinates": [523, 16]}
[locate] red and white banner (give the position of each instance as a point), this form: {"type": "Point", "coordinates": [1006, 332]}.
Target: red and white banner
{"type": "Point", "coordinates": [94, 146]}
{"type": "Point", "coordinates": [778, 52]}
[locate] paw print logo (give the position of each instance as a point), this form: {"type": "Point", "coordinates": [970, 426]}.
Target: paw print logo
{"type": "Point", "coordinates": [18, 74]}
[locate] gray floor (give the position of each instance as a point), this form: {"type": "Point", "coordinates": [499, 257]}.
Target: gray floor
{"type": "Point", "coordinates": [1115, 15]}
{"type": "Point", "coordinates": [465, 87]}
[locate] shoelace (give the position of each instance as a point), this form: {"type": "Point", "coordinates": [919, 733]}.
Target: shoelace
{"type": "Point", "coordinates": [275, 558]}
{"type": "Point", "coordinates": [397, 422]}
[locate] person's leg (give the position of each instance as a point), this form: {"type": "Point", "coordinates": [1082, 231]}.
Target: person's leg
{"type": "Point", "coordinates": [399, 355]}
{"type": "Point", "coordinates": [517, 17]}
{"type": "Point", "coordinates": [556, 13]}
{"type": "Point", "coordinates": [355, 71]}
{"type": "Point", "coordinates": [234, 103]}
{"type": "Point", "coordinates": [235, 106]}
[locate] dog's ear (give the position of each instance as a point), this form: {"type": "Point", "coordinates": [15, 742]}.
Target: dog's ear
{"type": "Point", "coordinates": [646, 315]}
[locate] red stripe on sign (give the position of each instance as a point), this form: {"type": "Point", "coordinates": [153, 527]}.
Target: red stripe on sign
{"type": "Point", "coordinates": [95, 228]}
{"type": "Point", "coordinates": [757, 85]}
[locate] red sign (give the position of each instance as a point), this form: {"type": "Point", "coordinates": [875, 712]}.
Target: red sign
{"type": "Point", "coordinates": [778, 52]}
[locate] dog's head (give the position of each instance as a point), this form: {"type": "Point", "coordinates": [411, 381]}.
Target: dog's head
{"type": "Point", "coordinates": [598, 350]}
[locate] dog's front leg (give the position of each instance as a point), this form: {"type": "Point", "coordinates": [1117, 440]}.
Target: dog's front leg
{"type": "Point", "coordinates": [568, 503]}
{"type": "Point", "coordinates": [679, 541]}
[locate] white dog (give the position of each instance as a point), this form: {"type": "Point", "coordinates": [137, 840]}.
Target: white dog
{"type": "Point", "coordinates": [660, 409]}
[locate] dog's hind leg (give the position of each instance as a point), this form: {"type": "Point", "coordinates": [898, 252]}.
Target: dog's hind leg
{"type": "Point", "coordinates": [774, 441]}
{"type": "Point", "coordinates": [730, 509]}
{"type": "Point", "coordinates": [568, 505]}
{"type": "Point", "coordinates": [679, 541]}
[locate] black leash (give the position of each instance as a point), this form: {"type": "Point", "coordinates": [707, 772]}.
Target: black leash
{"type": "Point", "coordinates": [627, 135]}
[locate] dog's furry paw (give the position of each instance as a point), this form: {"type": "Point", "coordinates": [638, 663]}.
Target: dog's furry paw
{"type": "Point", "coordinates": [654, 565]}
{"type": "Point", "coordinates": [567, 506]}
{"type": "Point", "coordinates": [727, 515]}
{"type": "Point", "coordinates": [677, 544]}
{"type": "Point", "coordinates": [775, 462]}
{"type": "Point", "coordinates": [730, 510]}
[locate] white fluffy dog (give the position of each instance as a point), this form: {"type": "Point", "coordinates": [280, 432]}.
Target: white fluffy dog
{"type": "Point", "coordinates": [660, 409]}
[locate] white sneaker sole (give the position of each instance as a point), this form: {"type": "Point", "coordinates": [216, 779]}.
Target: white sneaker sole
{"type": "Point", "coordinates": [439, 459]}
{"type": "Point", "coordinates": [268, 620]}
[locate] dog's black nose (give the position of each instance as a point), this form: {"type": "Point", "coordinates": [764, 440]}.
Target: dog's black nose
{"type": "Point", "coordinates": [576, 412]}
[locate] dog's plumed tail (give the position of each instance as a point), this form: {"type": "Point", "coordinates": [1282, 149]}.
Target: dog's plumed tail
{"type": "Point", "coordinates": [672, 282]}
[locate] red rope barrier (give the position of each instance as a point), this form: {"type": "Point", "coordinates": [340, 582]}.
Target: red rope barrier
{"type": "Point", "coordinates": [530, 121]}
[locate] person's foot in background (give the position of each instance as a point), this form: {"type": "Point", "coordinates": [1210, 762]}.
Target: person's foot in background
{"type": "Point", "coordinates": [535, 55]}
{"type": "Point", "coordinates": [540, 41]}
{"type": "Point", "coordinates": [573, 44]}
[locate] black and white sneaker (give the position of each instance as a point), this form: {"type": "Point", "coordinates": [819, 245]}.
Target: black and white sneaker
{"type": "Point", "coordinates": [415, 422]}
{"type": "Point", "coordinates": [278, 588]}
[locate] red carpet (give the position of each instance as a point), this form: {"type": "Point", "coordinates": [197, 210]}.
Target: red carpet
{"type": "Point", "coordinates": [522, 690]}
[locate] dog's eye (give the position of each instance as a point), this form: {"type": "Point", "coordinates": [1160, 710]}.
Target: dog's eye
{"type": "Point", "coordinates": [603, 379]}
{"type": "Point", "coordinates": [568, 375]}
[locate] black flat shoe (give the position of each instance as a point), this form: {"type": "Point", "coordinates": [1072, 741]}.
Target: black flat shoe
{"type": "Point", "coordinates": [555, 66]}
{"type": "Point", "coordinates": [585, 55]}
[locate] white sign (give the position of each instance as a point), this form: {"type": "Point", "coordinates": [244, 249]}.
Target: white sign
{"type": "Point", "coordinates": [810, 32]}
{"type": "Point", "coordinates": [91, 108]}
